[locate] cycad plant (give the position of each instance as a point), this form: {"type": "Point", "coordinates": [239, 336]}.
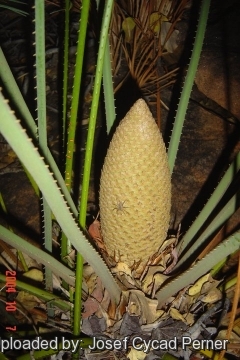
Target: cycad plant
{"type": "Point", "coordinates": [135, 293]}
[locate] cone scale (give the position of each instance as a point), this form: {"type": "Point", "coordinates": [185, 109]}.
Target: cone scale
{"type": "Point", "coordinates": [135, 189]}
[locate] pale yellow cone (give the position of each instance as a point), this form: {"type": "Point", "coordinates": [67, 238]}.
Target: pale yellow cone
{"type": "Point", "coordinates": [135, 188]}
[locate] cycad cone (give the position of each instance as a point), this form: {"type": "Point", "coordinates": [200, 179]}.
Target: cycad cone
{"type": "Point", "coordinates": [135, 188]}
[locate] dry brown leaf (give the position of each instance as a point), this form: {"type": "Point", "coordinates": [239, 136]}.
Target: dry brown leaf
{"type": "Point", "coordinates": [153, 278]}
{"type": "Point", "coordinates": [102, 313]}
{"type": "Point", "coordinates": [91, 305]}
{"type": "Point", "coordinates": [225, 319]}
{"type": "Point", "coordinates": [183, 301]}
{"type": "Point", "coordinates": [123, 268]}
{"type": "Point", "coordinates": [94, 231]}
{"type": "Point", "coordinates": [212, 296]}
{"type": "Point", "coordinates": [175, 314]}
{"type": "Point", "coordinates": [98, 291]}
{"type": "Point", "coordinates": [135, 305]}
{"type": "Point", "coordinates": [236, 329]}
{"type": "Point", "coordinates": [38, 315]}
{"type": "Point", "coordinates": [115, 311]}
{"type": "Point", "coordinates": [91, 282]}
{"type": "Point", "coordinates": [234, 340]}
{"type": "Point", "coordinates": [124, 274]}
{"type": "Point", "coordinates": [10, 256]}
{"type": "Point", "coordinates": [174, 259]}
{"type": "Point", "coordinates": [29, 301]}
{"type": "Point", "coordinates": [165, 259]}
{"type": "Point", "coordinates": [172, 42]}
{"type": "Point", "coordinates": [133, 308]}
{"type": "Point", "coordinates": [105, 303]}
{"type": "Point", "coordinates": [136, 354]}
{"type": "Point", "coordinates": [209, 285]}
{"type": "Point", "coordinates": [168, 243]}
{"type": "Point", "coordinates": [87, 271]}
{"type": "Point", "coordinates": [112, 309]}
{"type": "Point", "coordinates": [34, 274]}
{"type": "Point", "coordinates": [233, 310]}
{"type": "Point", "coordinates": [158, 281]}
{"type": "Point", "coordinates": [196, 288]}
{"type": "Point", "coordinates": [190, 319]}
{"type": "Point", "coordinates": [145, 308]}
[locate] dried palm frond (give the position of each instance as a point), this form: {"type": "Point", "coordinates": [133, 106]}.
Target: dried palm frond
{"type": "Point", "coordinates": [143, 31]}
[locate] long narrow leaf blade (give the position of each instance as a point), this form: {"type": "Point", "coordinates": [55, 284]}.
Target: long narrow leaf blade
{"type": "Point", "coordinates": [37, 254]}
{"type": "Point", "coordinates": [187, 88]}
{"type": "Point", "coordinates": [211, 203]}
{"type": "Point", "coordinates": [226, 248]}
{"type": "Point", "coordinates": [28, 154]}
